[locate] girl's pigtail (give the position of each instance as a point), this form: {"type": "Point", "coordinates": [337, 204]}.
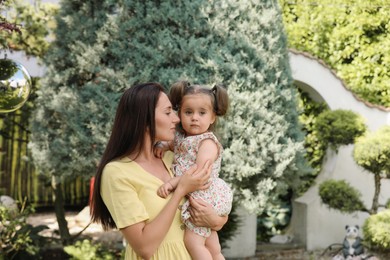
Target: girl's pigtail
{"type": "Point", "coordinates": [177, 92]}
{"type": "Point", "coordinates": [221, 100]}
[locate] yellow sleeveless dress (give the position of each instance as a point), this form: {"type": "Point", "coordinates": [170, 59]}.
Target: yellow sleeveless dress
{"type": "Point", "coordinates": [130, 194]}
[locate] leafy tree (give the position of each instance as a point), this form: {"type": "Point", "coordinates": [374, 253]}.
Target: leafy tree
{"type": "Point", "coordinates": [103, 47]}
{"type": "Point", "coordinates": [65, 140]}
{"type": "Point", "coordinates": [371, 152]}
{"type": "Point", "coordinates": [351, 36]}
{"type": "Point", "coordinates": [339, 127]}
{"type": "Point", "coordinates": [30, 26]}
{"type": "Point", "coordinates": [4, 24]}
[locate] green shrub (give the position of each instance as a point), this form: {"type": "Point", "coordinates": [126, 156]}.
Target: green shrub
{"type": "Point", "coordinates": [18, 239]}
{"type": "Point", "coordinates": [315, 146]}
{"type": "Point", "coordinates": [351, 37]}
{"type": "Point", "coordinates": [339, 127]}
{"type": "Point", "coordinates": [372, 151]}
{"type": "Point", "coordinates": [87, 250]}
{"type": "Point", "coordinates": [273, 220]}
{"type": "Point", "coordinates": [341, 196]}
{"type": "Point", "coordinates": [376, 231]}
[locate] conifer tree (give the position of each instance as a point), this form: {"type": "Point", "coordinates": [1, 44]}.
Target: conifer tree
{"type": "Point", "coordinates": [103, 47]}
{"type": "Point", "coordinates": [66, 133]}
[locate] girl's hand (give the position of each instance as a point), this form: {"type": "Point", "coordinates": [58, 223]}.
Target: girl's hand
{"type": "Point", "coordinates": [195, 179]}
{"type": "Point", "coordinates": [165, 190]}
{"type": "Point", "coordinates": [203, 215]}
{"type": "Point", "coordinates": [159, 150]}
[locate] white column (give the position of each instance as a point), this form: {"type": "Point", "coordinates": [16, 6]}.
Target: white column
{"type": "Point", "coordinates": [244, 242]}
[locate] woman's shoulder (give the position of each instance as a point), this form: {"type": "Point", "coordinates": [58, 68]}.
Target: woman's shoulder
{"type": "Point", "coordinates": [119, 166]}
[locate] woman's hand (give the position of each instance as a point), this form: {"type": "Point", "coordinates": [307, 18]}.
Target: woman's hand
{"type": "Point", "coordinates": [195, 179]}
{"type": "Point", "coordinates": [203, 215]}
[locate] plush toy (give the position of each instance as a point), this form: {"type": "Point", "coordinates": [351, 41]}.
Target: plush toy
{"type": "Point", "coordinates": [352, 245]}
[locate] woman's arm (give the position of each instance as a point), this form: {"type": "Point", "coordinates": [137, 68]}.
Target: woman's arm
{"type": "Point", "coordinates": [145, 237]}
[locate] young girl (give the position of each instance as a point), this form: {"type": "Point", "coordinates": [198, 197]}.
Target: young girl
{"type": "Point", "coordinates": [195, 143]}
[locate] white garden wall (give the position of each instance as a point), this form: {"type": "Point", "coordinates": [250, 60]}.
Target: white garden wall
{"type": "Point", "coordinates": [313, 224]}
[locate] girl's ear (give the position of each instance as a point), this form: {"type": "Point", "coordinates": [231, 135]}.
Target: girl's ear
{"type": "Point", "coordinates": [213, 119]}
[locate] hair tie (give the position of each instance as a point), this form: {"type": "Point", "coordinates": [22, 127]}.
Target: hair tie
{"type": "Point", "coordinates": [188, 84]}
{"type": "Point", "coordinates": [214, 91]}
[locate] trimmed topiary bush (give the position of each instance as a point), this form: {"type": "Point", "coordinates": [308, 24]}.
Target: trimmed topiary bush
{"type": "Point", "coordinates": [339, 127]}
{"type": "Point", "coordinates": [338, 194]}
{"type": "Point", "coordinates": [372, 151]}
{"type": "Point", "coordinates": [376, 230]}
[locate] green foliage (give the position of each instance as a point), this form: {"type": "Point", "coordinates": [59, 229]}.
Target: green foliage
{"type": "Point", "coordinates": [87, 250]}
{"type": "Point", "coordinates": [376, 231]}
{"type": "Point", "coordinates": [103, 47]}
{"type": "Point", "coordinates": [351, 36]}
{"type": "Point", "coordinates": [339, 127]}
{"type": "Point", "coordinates": [18, 239]}
{"type": "Point", "coordinates": [338, 194]}
{"type": "Point", "coordinates": [372, 151]}
{"type": "Point", "coordinates": [79, 92]}
{"type": "Point", "coordinates": [35, 23]}
{"type": "Point", "coordinates": [273, 220]}
{"type": "Point", "coordinates": [314, 144]}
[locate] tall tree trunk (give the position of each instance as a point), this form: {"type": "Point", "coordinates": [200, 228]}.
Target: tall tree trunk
{"type": "Point", "coordinates": [375, 202]}
{"type": "Point", "coordinates": [60, 211]}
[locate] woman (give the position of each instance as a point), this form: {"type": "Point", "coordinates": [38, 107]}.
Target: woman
{"type": "Point", "coordinates": [129, 175]}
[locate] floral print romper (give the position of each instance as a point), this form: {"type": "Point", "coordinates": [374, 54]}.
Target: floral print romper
{"type": "Point", "coordinates": [219, 194]}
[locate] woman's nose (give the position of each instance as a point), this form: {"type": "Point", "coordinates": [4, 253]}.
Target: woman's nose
{"type": "Point", "coordinates": [176, 119]}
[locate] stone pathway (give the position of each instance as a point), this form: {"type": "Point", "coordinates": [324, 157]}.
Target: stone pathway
{"type": "Point", "coordinates": [77, 221]}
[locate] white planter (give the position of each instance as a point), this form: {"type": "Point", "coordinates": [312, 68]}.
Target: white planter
{"type": "Point", "coordinates": [243, 243]}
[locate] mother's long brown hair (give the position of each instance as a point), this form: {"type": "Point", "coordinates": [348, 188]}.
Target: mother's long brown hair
{"type": "Point", "coordinates": [134, 117]}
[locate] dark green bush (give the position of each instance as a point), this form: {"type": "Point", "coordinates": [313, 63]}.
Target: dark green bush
{"type": "Point", "coordinates": [341, 196]}
{"type": "Point", "coordinates": [376, 231]}
{"type": "Point", "coordinates": [339, 127]}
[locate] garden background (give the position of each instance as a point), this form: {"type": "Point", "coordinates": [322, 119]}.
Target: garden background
{"type": "Point", "coordinates": [95, 49]}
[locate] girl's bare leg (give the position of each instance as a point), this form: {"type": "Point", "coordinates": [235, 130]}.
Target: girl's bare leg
{"type": "Point", "coordinates": [196, 246]}
{"type": "Point", "coordinates": [212, 243]}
